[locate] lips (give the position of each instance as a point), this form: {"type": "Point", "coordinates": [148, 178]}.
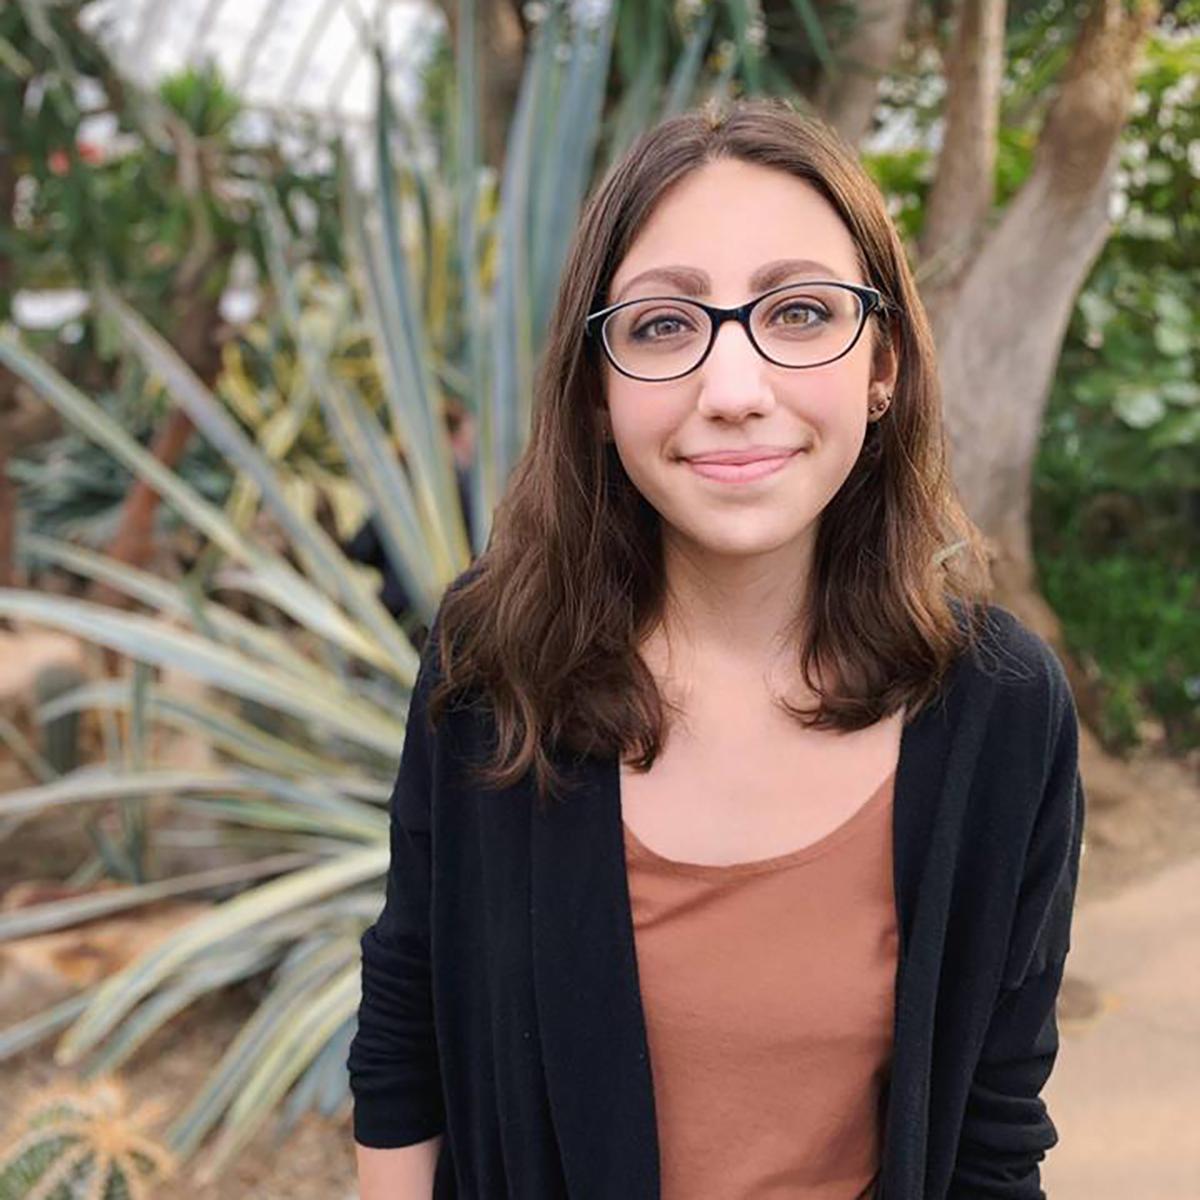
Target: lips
{"type": "Point", "coordinates": [739, 458]}
{"type": "Point", "coordinates": [741, 472]}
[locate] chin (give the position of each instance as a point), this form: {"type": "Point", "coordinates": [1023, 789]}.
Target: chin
{"type": "Point", "coordinates": [743, 543]}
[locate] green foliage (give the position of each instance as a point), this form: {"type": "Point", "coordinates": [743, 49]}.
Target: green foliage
{"type": "Point", "coordinates": [122, 211]}
{"type": "Point", "coordinates": [1117, 483]}
{"type": "Point", "coordinates": [1014, 159]}
{"type": "Point", "coordinates": [161, 208]}
{"type": "Point", "coordinates": [1135, 619]}
{"type": "Point", "coordinates": [201, 99]}
{"type": "Point", "coordinates": [903, 177]}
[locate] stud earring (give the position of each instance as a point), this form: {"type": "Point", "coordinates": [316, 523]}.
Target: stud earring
{"type": "Point", "coordinates": [876, 409]}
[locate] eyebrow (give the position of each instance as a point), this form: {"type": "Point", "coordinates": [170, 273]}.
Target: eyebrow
{"type": "Point", "coordinates": [693, 282]}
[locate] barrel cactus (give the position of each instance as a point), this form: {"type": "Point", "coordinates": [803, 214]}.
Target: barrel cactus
{"type": "Point", "coordinates": [82, 1142]}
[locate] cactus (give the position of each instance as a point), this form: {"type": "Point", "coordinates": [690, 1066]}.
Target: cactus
{"type": "Point", "coordinates": [82, 1142]}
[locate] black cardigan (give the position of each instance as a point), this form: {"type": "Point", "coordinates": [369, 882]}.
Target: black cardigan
{"type": "Point", "coordinates": [500, 1000]}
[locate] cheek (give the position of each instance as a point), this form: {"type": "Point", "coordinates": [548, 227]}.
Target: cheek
{"type": "Point", "coordinates": [644, 444]}
{"type": "Point", "coordinates": [831, 401]}
{"type": "Point", "coordinates": [641, 452]}
{"type": "Point", "coordinates": [642, 420]}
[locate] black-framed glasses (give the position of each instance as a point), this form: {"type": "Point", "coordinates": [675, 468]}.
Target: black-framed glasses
{"type": "Point", "coordinates": [806, 324]}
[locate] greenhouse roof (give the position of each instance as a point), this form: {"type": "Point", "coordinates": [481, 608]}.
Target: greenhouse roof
{"type": "Point", "coordinates": [282, 56]}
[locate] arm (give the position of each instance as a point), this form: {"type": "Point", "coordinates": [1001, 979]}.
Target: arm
{"type": "Point", "coordinates": [393, 1061]}
{"type": "Point", "coordinates": [1006, 1129]}
{"type": "Point", "coordinates": [405, 1173]}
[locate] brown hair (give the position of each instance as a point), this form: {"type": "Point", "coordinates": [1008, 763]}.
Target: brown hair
{"type": "Point", "coordinates": [548, 618]}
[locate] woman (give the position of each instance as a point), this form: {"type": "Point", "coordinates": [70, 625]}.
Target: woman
{"type": "Point", "coordinates": [742, 863]}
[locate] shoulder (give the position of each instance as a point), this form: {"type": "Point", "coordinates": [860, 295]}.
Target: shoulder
{"type": "Point", "coordinates": [431, 663]}
{"type": "Point", "coordinates": [432, 671]}
{"type": "Point", "coordinates": [1018, 674]}
{"type": "Point", "coordinates": [1013, 657]}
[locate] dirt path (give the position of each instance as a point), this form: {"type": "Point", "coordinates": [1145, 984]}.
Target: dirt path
{"type": "Point", "coordinates": [1160, 827]}
{"type": "Point", "coordinates": [1125, 1089]}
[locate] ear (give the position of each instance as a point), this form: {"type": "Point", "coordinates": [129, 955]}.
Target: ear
{"type": "Point", "coordinates": [885, 370]}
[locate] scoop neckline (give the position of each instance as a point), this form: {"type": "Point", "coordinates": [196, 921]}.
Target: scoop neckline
{"type": "Point", "coordinates": [638, 849]}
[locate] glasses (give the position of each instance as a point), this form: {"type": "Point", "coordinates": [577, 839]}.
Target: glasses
{"type": "Point", "coordinates": [808, 324]}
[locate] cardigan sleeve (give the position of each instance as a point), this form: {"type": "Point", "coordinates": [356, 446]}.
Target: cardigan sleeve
{"type": "Point", "coordinates": [393, 1062]}
{"type": "Point", "coordinates": [1007, 1130]}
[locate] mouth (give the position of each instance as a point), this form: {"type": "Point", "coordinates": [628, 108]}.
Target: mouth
{"type": "Point", "coordinates": [742, 472]}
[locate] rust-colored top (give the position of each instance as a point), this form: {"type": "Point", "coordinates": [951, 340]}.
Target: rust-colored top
{"type": "Point", "coordinates": [768, 991]}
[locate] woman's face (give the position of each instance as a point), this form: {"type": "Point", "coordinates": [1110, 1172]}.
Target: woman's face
{"type": "Point", "coordinates": [728, 220]}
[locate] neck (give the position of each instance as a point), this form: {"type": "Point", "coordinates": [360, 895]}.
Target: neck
{"type": "Point", "coordinates": [734, 615]}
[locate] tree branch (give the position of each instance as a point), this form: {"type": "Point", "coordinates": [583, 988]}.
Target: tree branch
{"type": "Point", "coordinates": [963, 189]}
{"type": "Point", "coordinates": [847, 100]}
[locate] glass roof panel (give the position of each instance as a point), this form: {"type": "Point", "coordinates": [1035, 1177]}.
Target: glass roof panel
{"type": "Point", "coordinates": [282, 56]}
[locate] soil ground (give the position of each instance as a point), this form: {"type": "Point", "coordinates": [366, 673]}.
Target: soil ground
{"type": "Point", "coordinates": [1125, 1088]}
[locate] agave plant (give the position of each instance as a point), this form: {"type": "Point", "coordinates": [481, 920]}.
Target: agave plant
{"type": "Point", "coordinates": [72, 1142]}
{"type": "Point", "coordinates": [324, 655]}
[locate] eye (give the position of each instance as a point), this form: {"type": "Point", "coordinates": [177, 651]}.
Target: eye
{"type": "Point", "coordinates": [653, 329]}
{"type": "Point", "coordinates": [801, 312]}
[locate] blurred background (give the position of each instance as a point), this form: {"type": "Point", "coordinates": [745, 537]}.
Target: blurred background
{"type": "Point", "coordinates": [274, 280]}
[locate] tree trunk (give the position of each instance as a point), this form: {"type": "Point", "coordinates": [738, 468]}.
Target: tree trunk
{"type": "Point", "coordinates": [963, 189]}
{"type": "Point", "coordinates": [996, 361]}
{"type": "Point", "coordinates": [999, 321]}
{"type": "Point", "coordinates": [24, 421]}
{"type": "Point", "coordinates": [134, 540]}
{"type": "Point", "coordinates": [847, 100]}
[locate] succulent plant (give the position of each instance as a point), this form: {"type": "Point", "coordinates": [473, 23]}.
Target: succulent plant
{"type": "Point", "coordinates": [76, 1141]}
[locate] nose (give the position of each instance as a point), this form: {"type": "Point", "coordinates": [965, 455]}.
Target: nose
{"type": "Point", "coordinates": [733, 378]}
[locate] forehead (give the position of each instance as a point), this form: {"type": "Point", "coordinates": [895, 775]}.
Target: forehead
{"type": "Point", "coordinates": [727, 220]}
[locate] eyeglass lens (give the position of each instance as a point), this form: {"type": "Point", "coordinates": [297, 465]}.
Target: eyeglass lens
{"type": "Point", "coordinates": [802, 326]}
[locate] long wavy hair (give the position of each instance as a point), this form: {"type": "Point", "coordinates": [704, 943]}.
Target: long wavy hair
{"type": "Point", "coordinates": [546, 622]}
